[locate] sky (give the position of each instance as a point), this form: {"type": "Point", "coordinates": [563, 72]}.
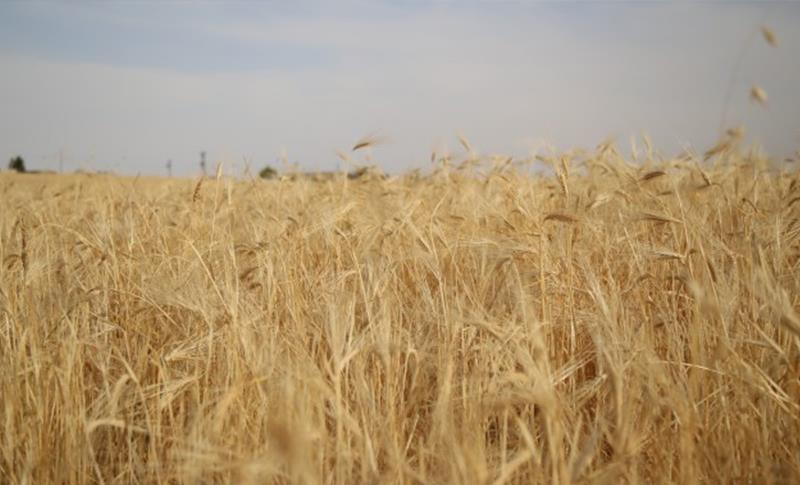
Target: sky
{"type": "Point", "coordinates": [127, 86]}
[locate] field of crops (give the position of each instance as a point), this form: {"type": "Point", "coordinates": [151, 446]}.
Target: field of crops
{"type": "Point", "coordinates": [594, 321]}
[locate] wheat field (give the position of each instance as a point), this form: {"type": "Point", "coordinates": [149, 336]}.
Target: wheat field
{"type": "Point", "coordinates": [598, 321]}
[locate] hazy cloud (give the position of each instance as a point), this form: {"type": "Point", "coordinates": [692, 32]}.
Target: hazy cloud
{"type": "Point", "coordinates": [128, 86]}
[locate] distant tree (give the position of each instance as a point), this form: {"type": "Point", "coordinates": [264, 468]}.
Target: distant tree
{"type": "Point", "coordinates": [268, 173]}
{"type": "Point", "coordinates": [17, 164]}
{"type": "Point", "coordinates": [358, 173]}
{"type": "Point", "coordinates": [367, 173]}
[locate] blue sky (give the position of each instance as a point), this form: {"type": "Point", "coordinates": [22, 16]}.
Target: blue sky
{"type": "Point", "coordinates": [126, 86]}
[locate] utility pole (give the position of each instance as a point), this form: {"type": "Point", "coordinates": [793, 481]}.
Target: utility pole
{"type": "Point", "coordinates": [203, 162]}
{"type": "Point", "coordinates": [169, 168]}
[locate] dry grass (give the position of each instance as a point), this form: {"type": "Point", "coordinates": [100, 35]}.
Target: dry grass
{"type": "Point", "coordinates": [611, 323]}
